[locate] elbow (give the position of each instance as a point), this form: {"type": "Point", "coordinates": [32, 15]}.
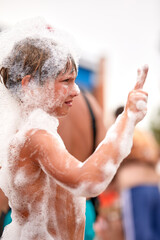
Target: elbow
{"type": "Point", "coordinates": [97, 189]}
{"type": "Point", "coordinates": [97, 183]}
{"type": "Point", "coordinates": [91, 189]}
{"type": "Point", "coordinates": [92, 183]}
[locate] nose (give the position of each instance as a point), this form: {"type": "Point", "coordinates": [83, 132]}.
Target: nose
{"type": "Point", "coordinates": [75, 90]}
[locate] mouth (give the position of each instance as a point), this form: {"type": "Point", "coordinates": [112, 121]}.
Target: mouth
{"type": "Point", "coordinates": [69, 103]}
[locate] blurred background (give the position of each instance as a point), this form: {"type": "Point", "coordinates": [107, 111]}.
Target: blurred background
{"type": "Point", "coordinates": [115, 37]}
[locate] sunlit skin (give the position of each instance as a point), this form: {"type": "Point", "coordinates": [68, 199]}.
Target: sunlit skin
{"type": "Point", "coordinates": [61, 183]}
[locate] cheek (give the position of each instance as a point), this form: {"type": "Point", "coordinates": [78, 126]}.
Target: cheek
{"type": "Point", "coordinates": [58, 96]}
{"type": "Point", "coordinates": [62, 92]}
{"type": "Point", "coordinates": [64, 89]}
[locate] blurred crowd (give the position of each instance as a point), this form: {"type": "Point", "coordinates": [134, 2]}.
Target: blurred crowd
{"type": "Point", "coordinates": [130, 206]}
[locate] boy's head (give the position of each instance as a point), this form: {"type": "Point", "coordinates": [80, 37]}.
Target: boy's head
{"type": "Point", "coordinates": [43, 55]}
{"type": "Point", "coordinates": [32, 47]}
{"type": "Point", "coordinates": [40, 58]}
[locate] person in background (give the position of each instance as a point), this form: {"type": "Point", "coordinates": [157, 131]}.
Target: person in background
{"type": "Point", "coordinates": [108, 225]}
{"type": "Point", "coordinates": [138, 181]}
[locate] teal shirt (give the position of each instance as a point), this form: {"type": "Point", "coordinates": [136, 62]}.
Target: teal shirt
{"type": "Point", "coordinates": [7, 218]}
{"type": "Point", "coordinates": [90, 219]}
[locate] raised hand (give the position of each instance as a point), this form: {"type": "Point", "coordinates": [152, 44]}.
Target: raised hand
{"type": "Point", "coordinates": [137, 98]}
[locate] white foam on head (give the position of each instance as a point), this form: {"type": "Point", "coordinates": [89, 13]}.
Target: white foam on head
{"type": "Point", "coordinates": [59, 45]}
{"type": "Point", "coordinates": [55, 46]}
{"type": "Point", "coordinates": [37, 28]}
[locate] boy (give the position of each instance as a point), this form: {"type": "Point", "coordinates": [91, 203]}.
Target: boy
{"type": "Point", "coordinates": [46, 186]}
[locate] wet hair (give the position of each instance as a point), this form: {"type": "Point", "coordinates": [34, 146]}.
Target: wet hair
{"type": "Point", "coordinates": [34, 57]}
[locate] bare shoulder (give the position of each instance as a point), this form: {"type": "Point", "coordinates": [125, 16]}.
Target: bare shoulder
{"type": "Point", "coordinates": [48, 152]}
{"type": "Point", "coordinates": [38, 143]}
{"type": "Point", "coordinates": [38, 136]}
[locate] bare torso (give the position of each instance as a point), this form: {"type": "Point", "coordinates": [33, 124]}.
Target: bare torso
{"type": "Point", "coordinates": [41, 208]}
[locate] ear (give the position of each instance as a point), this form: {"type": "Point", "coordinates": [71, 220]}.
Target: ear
{"type": "Point", "coordinates": [26, 80]}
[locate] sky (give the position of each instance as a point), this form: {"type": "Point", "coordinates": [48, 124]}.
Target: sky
{"type": "Point", "coordinates": [125, 32]}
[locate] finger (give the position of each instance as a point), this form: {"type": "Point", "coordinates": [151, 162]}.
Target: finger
{"type": "Point", "coordinates": [139, 95]}
{"type": "Point", "coordinates": [138, 72]}
{"type": "Point", "coordinates": [139, 92]}
{"type": "Point", "coordinates": [141, 77]}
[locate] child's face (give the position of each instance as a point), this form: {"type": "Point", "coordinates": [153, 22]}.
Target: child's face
{"type": "Point", "coordinates": [60, 92]}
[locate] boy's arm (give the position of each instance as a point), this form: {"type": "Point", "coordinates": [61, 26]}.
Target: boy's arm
{"type": "Point", "coordinates": [92, 177]}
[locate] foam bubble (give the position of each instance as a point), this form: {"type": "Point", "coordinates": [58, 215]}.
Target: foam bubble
{"type": "Point", "coordinates": [110, 168]}
{"type": "Point", "coordinates": [141, 105]}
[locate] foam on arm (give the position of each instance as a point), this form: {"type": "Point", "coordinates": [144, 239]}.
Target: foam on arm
{"type": "Point", "coordinates": [90, 178]}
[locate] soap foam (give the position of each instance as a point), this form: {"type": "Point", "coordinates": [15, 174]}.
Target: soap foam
{"type": "Point", "coordinates": [17, 119]}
